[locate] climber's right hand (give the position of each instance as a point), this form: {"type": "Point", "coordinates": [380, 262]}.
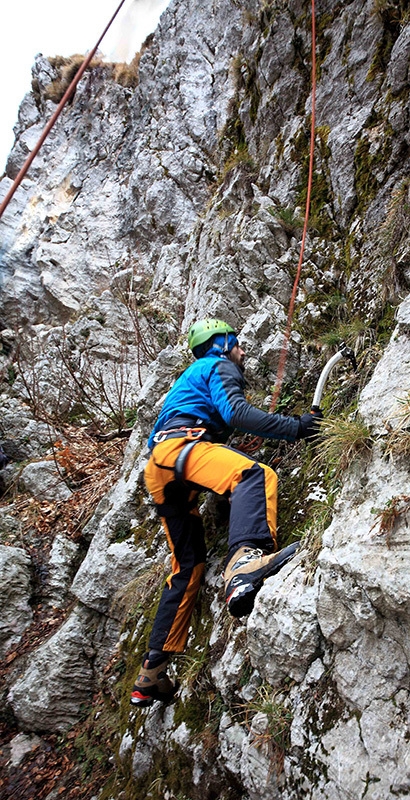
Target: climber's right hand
{"type": "Point", "coordinates": [309, 424]}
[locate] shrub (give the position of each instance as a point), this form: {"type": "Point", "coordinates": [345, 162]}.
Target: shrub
{"type": "Point", "coordinates": [68, 68]}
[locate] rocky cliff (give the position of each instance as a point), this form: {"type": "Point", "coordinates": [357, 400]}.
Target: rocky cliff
{"type": "Point", "coordinates": [164, 194]}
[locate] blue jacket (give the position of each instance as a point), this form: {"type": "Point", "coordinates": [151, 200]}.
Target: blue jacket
{"type": "Point", "coordinates": [211, 393]}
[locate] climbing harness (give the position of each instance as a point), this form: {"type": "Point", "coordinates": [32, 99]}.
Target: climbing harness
{"type": "Point", "coordinates": [179, 467]}
{"type": "Point", "coordinates": [192, 435]}
{"type": "Point", "coordinates": [68, 94]}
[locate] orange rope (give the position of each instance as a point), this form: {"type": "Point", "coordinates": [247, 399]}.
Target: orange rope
{"type": "Point", "coordinates": [256, 442]}
{"type": "Point", "coordinates": [55, 116]}
{"type": "Point", "coordinates": [285, 346]}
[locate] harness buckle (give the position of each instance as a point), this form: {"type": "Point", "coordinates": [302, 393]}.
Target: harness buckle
{"type": "Point", "coordinates": [160, 436]}
{"type": "Point", "coordinates": [192, 434]}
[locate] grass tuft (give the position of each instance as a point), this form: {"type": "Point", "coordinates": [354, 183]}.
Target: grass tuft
{"type": "Point", "coordinates": [398, 440]}
{"type": "Point", "coordinates": [67, 68]}
{"type": "Point", "coordinates": [128, 74]}
{"type": "Point", "coordinates": [274, 737]}
{"type": "Point", "coordinates": [342, 439]}
{"type": "Point", "coordinates": [386, 518]}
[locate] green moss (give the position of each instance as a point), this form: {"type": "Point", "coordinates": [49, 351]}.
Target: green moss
{"type": "Point", "coordinates": [321, 198]}
{"type": "Point", "coordinates": [348, 331]}
{"type": "Point", "coordinates": [280, 147]}
{"type": "Point", "coordinates": [366, 183]}
{"type": "Point", "coordinates": [239, 155]}
{"type": "Point", "coordinates": [194, 712]}
{"type": "Point", "coordinates": [252, 90]}
{"type": "Point", "coordinates": [298, 478]}
{"type": "Point", "coordinates": [95, 743]}
{"type": "Point", "coordinates": [232, 141]}
{"type": "Point", "coordinates": [324, 37]}
{"type": "Point", "coordinates": [146, 535]}
{"type": "Point", "coordinates": [170, 774]}
{"type": "Point", "coordinates": [386, 324]}
{"type": "Point", "coordinates": [233, 144]}
{"type": "Point", "coordinates": [245, 673]}
{"type": "Point", "coordinates": [393, 242]}
{"type": "Point", "coordinates": [393, 15]}
{"type": "Point", "coordinates": [368, 163]}
{"type": "Point", "coordinates": [302, 59]}
{"type": "Point", "coordinates": [326, 707]}
{"type": "Point", "coordinates": [290, 222]}
{"type": "Point", "coordinates": [11, 375]}
{"type": "Point", "coordinates": [131, 416]}
{"type": "Point", "coordinates": [334, 307]}
{"type": "Point", "coordinates": [122, 532]}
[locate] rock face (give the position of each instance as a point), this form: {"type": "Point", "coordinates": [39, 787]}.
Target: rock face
{"type": "Point", "coordinates": [58, 677]}
{"type": "Point", "coordinates": [148, 208]}
{"type": "Point", "coordinates": [15, 596]}
{"type": "Point", "coordinates": [42, 479]}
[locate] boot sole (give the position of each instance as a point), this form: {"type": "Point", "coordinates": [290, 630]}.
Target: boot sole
{"type": "Point", "coordinates": [241, 600]}
{"type": "Point", "coordinates": [147, 700]}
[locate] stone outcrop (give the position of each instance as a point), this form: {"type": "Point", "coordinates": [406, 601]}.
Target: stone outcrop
{"type": "Point", "coordinates": [16, 613]}
{"type": "Point", "coordinates": [59, 676]}
{"type": "Point", "coordinates": [150, 207]}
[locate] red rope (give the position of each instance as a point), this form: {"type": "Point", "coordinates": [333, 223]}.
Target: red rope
{"type": "Point", "coordinates": [55, 116]}
{"type": "Point", "coordinates": [288, 330]}
{"type": "Point", "coordinates": [256, 442]}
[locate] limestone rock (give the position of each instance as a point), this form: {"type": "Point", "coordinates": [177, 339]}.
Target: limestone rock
{"type": "Point", "coordinates": [10, 527]}
{"type": "Point", "coordinates": [153, 206]}
{"type": "Point", "coordinates": [257, 762]}
{"type": "Point", "coordinates": [20, 745]}
{"type": "Point", "coordinates": [16, 614]}
{"type": "Point", "coordinates": [388, 386]}
{"type": "Point", "coordinates": [23, 436]}
{"type": "Point", "coordinates": [227, 671]}
{"type": "Point", "coordinates": [61, 568]}
{"type": "Point", "coordinates": [283, 634]}
{"type": "Point", "coordinates": [44, 481]}
{"type": "Point", "coordinates": [59, 676]}
{"type": "Point", "coordinates": [231, 739]}
{"type": "Point", "coordinates": [105, 568]}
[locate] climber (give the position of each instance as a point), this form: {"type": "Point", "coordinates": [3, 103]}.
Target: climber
{"type": "Point", "coordinates": [187, 456]}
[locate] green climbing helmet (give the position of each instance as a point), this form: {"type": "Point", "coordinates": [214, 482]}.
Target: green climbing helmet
{"type": "Point", "coordinates": [205, 329]}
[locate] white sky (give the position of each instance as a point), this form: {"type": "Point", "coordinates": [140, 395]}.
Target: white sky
{"type": "Point", "coordinates": [50, 27]}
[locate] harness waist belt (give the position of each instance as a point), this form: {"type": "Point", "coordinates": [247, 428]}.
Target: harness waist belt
{"type": "Point", "coordinates": [192, 434]}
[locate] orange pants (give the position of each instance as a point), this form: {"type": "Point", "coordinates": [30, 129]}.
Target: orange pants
{"type": "Point", "coordinates": [252, 489]}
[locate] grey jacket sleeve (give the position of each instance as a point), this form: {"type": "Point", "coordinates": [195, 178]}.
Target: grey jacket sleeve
{"type": "Point", "coordinates": [238, 413]}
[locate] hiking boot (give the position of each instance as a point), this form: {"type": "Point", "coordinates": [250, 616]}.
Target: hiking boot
{"type": "Point", "coordinates": [246, 572]}
{"type": "Point", "coordinates": [153, 683]}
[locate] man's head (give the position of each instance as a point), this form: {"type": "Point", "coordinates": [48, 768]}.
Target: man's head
{"type": "Point", "coordinates": [216, 334]}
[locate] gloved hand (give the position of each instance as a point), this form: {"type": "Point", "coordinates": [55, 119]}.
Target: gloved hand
{"type": "Point", "coordinates": [308, 424]}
